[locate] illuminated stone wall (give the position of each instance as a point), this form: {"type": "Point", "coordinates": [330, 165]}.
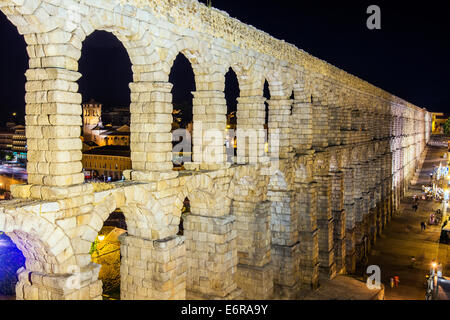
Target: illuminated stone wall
{"type": "Point", "coordinates": [347, 152]}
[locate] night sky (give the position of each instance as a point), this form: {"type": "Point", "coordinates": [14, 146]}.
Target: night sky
{"type": "Point", "coordinates": [408, 57]}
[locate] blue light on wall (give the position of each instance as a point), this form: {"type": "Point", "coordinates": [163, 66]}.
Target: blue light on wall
{"type": "Point", "coordinates": [11, 259]}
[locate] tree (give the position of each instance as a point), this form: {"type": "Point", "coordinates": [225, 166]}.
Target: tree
{"type": "Point", "coordinates": [447, 127]}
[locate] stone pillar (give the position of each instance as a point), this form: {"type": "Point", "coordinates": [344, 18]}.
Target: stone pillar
{"type": "Point", "coordinates": [339, 220]}
{"type": "Point", "coordinates": [151, 137]}
{"type": "Point", "coordinates": [320, 125]}
{"type": "Point", "coordinates": [350, 221]}
{"type": "Point", "coordinates": [306, 200]}
{"type": "Point", "coordinates": [301, 125]}
{"type": "Point", "coordinates": [387, 201]}
{"type": "Point", "coordinates": [345, 124]}
{"type": "Point", "coordinates": [250, 129]}
{"type": "Point", "coordinates": [254, 271]}
{"type": "Point", "coordinates": [358, 190]}
{"type": "Point", "coordinates": [383, 208]}
{"type": "Point", "coordinates": [53, 120]}
{"type": "Point", "coordinates": [152, 269]}
{"type": "Point", "coordinates": [325, 224]}
{"type": "Point", "coordinates": [279, 127]}
{"type": "Point", "coordinates": [334, 138]}
{"type": "Point", "coordinates": [53, 115]}
{"type": "Point", "coordinates": [380, 196]}
{"type": "Point", "coordinates": [286, 257]}
{"type": "Point", "coordinates": [82, 285]}
{"type": "Point", "coordinates": [211, 255]}
{"type": "Point", "coordinates": [210, 119]}
{"type": "Point", "coordinates": [367, 214]}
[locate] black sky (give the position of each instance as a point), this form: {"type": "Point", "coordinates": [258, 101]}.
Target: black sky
{"type": "Point", "coordinates": [408, 57]}
{"type": "Point", "coordinates": [106, 70]}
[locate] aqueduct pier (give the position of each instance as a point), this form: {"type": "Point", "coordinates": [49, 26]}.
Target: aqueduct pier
{"type": "Point", "coordinates": [347, 152]}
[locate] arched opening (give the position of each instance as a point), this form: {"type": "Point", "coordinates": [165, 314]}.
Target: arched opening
{"type": "Point", "coordinates": [183, 80]}
{"type": "Point", "coordinates": [292, 98]}
{"type": "Point", "coordinates": [106, 73]}
{"type": "Point", "coordinates": [11, 260]}
{"type": "Point", "coordinates": [13, 143]}
{"type": "Point", "coordinates": [232, 92]}
{"type": "Point", "coordinates": [184, 212]}
{"type": "Point", "coordinates": [266, 94]}
{"type": "Point", "coordinates": [105, 251]}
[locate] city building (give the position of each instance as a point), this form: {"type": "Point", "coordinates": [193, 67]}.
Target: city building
{"type": "Point", "coordinates": [438, 120]}
{"type": "Point", "coordinates": [106, 162]}
{"type": "Point", "coordinates": [6, 139]}
{"type": "Point", "coordinates": [110, 136]}
{"type": "Point", "coordinates": [19, 142]}
{"type": "Point", "coordinates": [95, 133]}
{"type": "Point", "coordinates": [92, 112]}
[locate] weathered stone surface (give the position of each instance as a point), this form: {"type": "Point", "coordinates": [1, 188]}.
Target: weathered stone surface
{"type": "Point", "coordinates": [340, 155]}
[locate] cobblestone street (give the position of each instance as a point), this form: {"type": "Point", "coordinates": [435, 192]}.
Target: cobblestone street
{"type": "Point", "coordinates": [403, 239]}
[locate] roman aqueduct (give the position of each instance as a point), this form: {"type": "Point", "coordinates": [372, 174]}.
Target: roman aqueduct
{"type": "Point", "coordinates": [270, 226]}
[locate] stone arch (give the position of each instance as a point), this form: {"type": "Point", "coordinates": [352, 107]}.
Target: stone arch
{"type": "Point", "coordinates": [145, 215]}
{"type": "Point", "coordinates": [248, 179]}
{"type": "Point", "coordinates": [137, 41]}
{"type": "Point", "coordinates": [275, 81]}
{"type": "Point", "coordinates": [321, 165]}
{"type": "Point", "coordinates": [345, 158]}
{"type": "Point", "coordinates": [299, 85]}
{"type": "Point", "coordinates": [249, 78]}
{"type": "Point", "coordinates": [289, 80]}
{"type": "Point", "coordinates": [242, 65]}
{"type": "Point", "coordinates": [334, 162]}
{"type": "Point", "coordinates": [245, 187]}
{"type": "Point", "coordinates": [45, 246]}
{"type": "Point", "coordinates": [302, 173]}
{"type": "Point", "coordinates": [29, 16]}
{"type": "Point", "coordinates": [206, 197]}
{"type": "Point", "coordinates": [277, 182]}
{"type": "Point", "coordinates": [355, 155]}
{"type": "Point", "coordinates": [371, 151]}
{"type": "Point", "coordinates": [194, 50]}
{"type": "Point", "coordinates": [135, 37]}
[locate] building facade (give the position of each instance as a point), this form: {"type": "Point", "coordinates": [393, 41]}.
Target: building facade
{"type": "Point", "coordinates": [6, 139]}
{"type": "Point", "coordinates": [438, 122]}
{"type": "Point", "coordinates": [106, 163]}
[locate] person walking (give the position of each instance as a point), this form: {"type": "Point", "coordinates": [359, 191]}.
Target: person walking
{"type": "Point", "coordinates": [396, 281]}
{"type": "Point", "coordinates": [423, 226]}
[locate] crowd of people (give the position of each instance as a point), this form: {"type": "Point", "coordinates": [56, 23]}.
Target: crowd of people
{"type": "Point", "coordinates": [435, 218]}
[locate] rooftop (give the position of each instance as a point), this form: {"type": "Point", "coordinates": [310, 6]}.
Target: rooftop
{"type": "Point", "coordinates": [118, 151]}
